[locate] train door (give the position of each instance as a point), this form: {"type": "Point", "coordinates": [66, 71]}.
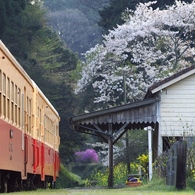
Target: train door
{"type": "Point", "coordinates": [42, 162]}
{"type": "Point", "coordinates": [56, 165]}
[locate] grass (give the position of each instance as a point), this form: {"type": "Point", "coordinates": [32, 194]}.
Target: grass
{"type": "Point", "coordinates": [122, 191]}
{"type": "Point", "coordinates": [151, 188]}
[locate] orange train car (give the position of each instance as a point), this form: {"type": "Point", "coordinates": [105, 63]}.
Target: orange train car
{"type": "Point", "coordinates": [29, 130]}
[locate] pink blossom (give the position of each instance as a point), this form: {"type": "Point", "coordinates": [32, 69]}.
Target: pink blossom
{"type": "Point", "coordinates": [88, 155]}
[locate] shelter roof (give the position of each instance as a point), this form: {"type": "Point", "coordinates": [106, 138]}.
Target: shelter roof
{"type": "Point", "coordinates": [126, 110]}
{"type": "Point", "coordinates": [130, 116]}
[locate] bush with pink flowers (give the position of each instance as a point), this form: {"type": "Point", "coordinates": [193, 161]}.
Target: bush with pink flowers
{"type": "Point", "coordinates": [87, 156]}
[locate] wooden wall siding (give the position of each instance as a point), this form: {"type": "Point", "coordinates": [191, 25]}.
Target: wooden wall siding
{"type": "Point", "coordinates": [178, 108]}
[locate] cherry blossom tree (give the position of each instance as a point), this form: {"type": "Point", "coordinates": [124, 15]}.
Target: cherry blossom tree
{"type": "Point", "coordinates": [150, 45]}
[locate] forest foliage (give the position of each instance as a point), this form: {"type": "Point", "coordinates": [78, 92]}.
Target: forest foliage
{"type": "Point", "coordinates": [46, 58]}
{"type": "Point", "coordinates": [76, 22]}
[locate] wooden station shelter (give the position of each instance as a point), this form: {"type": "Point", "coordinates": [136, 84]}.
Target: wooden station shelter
{"type": "Point", "coordinates": [111, 124]}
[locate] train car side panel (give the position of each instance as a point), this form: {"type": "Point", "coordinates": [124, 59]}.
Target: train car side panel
{"type": "Point", "coordinates": [11, 147]}
{"type": "Point", "coordinates": [47, 132]}
{"type": "Point", "coordinates": [29, 130]}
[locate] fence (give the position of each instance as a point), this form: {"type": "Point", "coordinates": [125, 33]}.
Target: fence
{"type": "Point", "coordinates": [176, 165]}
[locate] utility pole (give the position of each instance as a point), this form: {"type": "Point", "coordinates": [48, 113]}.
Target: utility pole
{"type": "Point", "coordinates": [126, 134]}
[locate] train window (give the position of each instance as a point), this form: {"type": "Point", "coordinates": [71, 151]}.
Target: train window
{"type": "Point", "coordinates": [4, 84]}
{"type": "Point", "coordinates": [4, 97]}
{"type": "Point", "coordinates": [4, 106]}
{"type": "Point", "coordinates": [57, 132]}
{"type": "Point", "coordinates": [29, 115]}
{"type": "Point", "coordinates": [40, 116]}
{"type": "Point", "coordinates": [8, 108]}
{"type": "Point", "coordinates": [15, 101]}
{"type": "Point", "coordinates": [53, 131]}
{"type": "Point", "coordinates": [19, 117]}
{"type": "Point", "coordinates": [44, 123]}
{"type": "Point", "coordinates": [8, 98]}
{"type": "Point", "coordinates": [8, 87]}
{"type": "Point", "coordinates": [19, 97]}
{"type": "Point", "coordinates": [22, 108]}
{"type": "Point", "coordinates": [12, 91]}
{"type": "Point", "coordinates": [0, 81]}
{"type": "Point", "coordinates": [15, 96]}
{"type": "Point", "coordinates": [45, 127]}
{"type": "Point", "coordinates": [19, 104]}
{"type": "Point", "coordinates": [39, 125]}
{"type": "Point", "coordinates": [12, 112]}
{"type": "Point", "coordinates": [0, 105]}
{"type": "Point", "coordinates": [39, 132]}
{"type": "Point", "coordinates": [38, 121]}
{"type": "Point", "coordinates": [16, 117]}
{"type": "Point", "coordinates": [0, 92]}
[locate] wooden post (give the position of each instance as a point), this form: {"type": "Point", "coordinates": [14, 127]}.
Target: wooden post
{"type": "Point", "coordinates": [181, 165]}
{"type": "Point", "coordinates": [110, 144]}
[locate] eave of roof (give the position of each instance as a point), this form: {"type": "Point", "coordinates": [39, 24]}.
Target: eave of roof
{"type": "Point", "coordinates": [170, 80]}
{"type": "Point", "coordinates": [113, 110]}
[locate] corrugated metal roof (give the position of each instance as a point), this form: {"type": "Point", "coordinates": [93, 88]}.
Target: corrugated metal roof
{"type": "Point", "coordinates": [136, 115]}
{"type": "Point", "coordinates": [125, 113]}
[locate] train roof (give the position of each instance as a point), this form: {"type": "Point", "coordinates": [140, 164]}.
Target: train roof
{"type": "Point", "coordinates": [14, 61]}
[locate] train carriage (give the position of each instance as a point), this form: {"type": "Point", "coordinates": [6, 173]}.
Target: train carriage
{"type": "Point", "coordinates": [29, 130]}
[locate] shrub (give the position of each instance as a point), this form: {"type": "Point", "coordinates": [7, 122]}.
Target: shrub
{"type": "Point", "coordinates": [100, 177]}
{"type": "Point", "coordinates": [84, 170]}
{"type": "Point", "coordinates": [141, 162]}
{"type": "Point", "coordinates": [119, 172]}
{"type": "Point", "coordinates": [67, 179]}
{"type": "Point", "coordinates": [87, 156]}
